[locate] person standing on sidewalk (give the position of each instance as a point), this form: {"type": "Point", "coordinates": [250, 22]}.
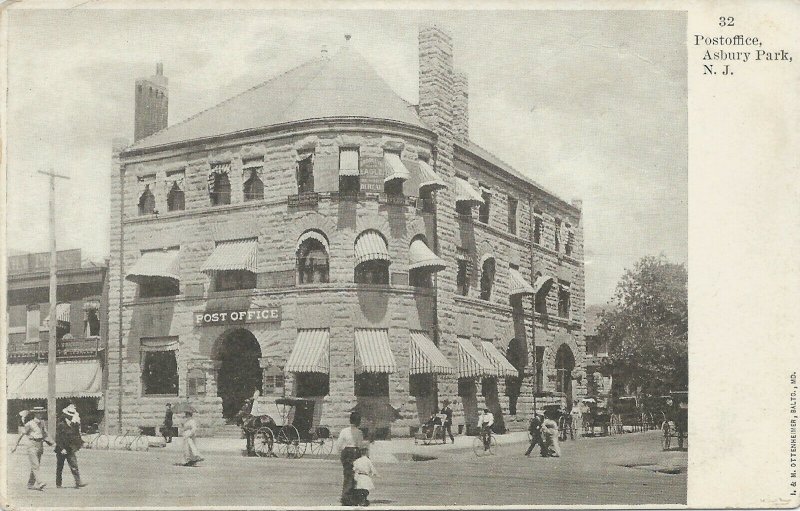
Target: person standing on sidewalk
{"type": "Point", "coordinates": [35, 432]}
{"type": "Point", "coordinates": [485, 423]}
{"type": "Point", "coordinates": [349, 444]}
{"type": "Point", "coordinates": [535, 430]}
{"type": "Point", "coordinates": [68, 442]}
{"type": "Point", "coordinates": [191, 454]}
{"type": "Point", "coordinates": [166, 429]}
{"type": "Point", "coordinates": [448, 421]}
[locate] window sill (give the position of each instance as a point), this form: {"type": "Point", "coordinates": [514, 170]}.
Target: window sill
{"type": "Point", "coordinates": [160, 396]}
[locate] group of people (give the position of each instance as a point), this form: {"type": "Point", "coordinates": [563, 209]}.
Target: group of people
{"type": "Point", "coordinates": [191, 454]}
{"type": "Point", "coordinates": [357, 468]}
{"type": "Point", "coordinates": [544, 433]}
{"type": "Point", "coordinates": [67, 443]}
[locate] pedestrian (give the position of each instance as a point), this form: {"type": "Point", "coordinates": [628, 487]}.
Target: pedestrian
{"type": "Point", "coordinates": [448, 421]}
{"type": "Point", "coordinates": [68, 443]}
{"type": "Point", "coordinates": [349, 443]}
{"type": "Point", "coordinates": [35, 432]}
{"type": "Point", "coordinates": [166, 429]}
{"type": "Point", "coordinates": [550, 436]}
{"type": "Point", "coordinates": [535, 430]}
{"type": "Point", "coordinates": [576, 414]}
{"type": "Point", "coordinates": [191, 454]}
{"type": "Point", "coordinates": [363, 472]}
{"type": "Point", "coordinates": [485, 423]}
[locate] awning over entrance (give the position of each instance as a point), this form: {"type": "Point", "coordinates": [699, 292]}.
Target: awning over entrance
{"type": "Point", "coordinates": [420, 256]}
{"type": "Point", "coordinates": [471, 362]}
{"type": "Point", "coordinates": [311, 353]}
{"type": "Point", "coordinates": [429, 178]}
{"type": "Point", "coordinates": [517, 284]}
{"type": "Point", "coordinates": [498, 360]}
{"type": "Point", "coordinates": [233, 255]}
{"type": "Point", "coordinates": [373, 352]}
{"type": "Point", "coordinates": [155, 263]}
{"type": "Point", "coordinates": [542, 283]}
{"type": "Point", "coordinates": [395, 168]}
{"type": "Point", "coordinates": [73, 379]}
{"type": "Point", "coordinates": [466, 193]}
{"type": "Point", "coordinates": [426, 357]}
{"type": "Point", "coordinates": [370, 246]}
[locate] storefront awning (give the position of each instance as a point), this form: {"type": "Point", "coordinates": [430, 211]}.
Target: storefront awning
{"type": "Point", "coordinates": [395, 168]}
{"type": "Point", "coordinates": [420, 256]}
{"type": "Point", "coordinates": [542, 283]}
{"type": "Point", "coordinates": [155, 263]}
{"type": "Point", "coordinates": [233, 255]}
{"type": "Point", "coordinates": [311, 352]}
{"type": "Point", "coordinates": [517, 284]}
{"type": "Point", "coordinates": [498, 360]}
{"type": "Point", "coordinates": [429, 178]}
{"type": "Point", "coordinates": [425, 357]}
{"type": "Point", "coordinates": [73, 379]}
{"type": "Point", "coordinates": [370, 246]}
{"type": "Point", "coordinates": [373, 352]}
{"type": "Point", "coordinates": [466, 193]}
{"type": "Point", "coordinates": [16, 374]}
{"type": "Point", "coordinates": [471, 362]}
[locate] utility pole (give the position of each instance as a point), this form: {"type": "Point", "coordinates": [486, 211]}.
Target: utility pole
{"type": "Point", "coordinates": [51, 336]}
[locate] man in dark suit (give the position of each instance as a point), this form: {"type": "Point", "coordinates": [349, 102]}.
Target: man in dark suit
{"type": "Point", "coordinates": [448, 421]}
{"type": "Point", "coordinates": [68, 442]}
{"type": "Point", "coordinates": [166, 429]}
{"type": "Point", "coordinates": [535, 431]}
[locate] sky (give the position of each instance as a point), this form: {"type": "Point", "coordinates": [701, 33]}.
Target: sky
{"type": "Point", "coordinates": [591, 105]}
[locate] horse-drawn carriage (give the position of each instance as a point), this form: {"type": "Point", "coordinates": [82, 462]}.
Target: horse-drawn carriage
{"type": "Point", "coordinates": [294, 436]}
{"type": "Point", "coordinates": [629, 414]}
{"type": "Point", "coordinates": [597, 415]}
{"type": "Point", "coordinates": [676, 419]}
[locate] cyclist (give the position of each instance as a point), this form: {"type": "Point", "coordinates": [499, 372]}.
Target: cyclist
{"type": "Point", "coordinates": [485, 423]}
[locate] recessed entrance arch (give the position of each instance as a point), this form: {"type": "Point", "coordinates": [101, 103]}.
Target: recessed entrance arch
{"type": "Point", "coordinates": [239, 375]}
{"type": "Point", "coordinates": [565, 363]}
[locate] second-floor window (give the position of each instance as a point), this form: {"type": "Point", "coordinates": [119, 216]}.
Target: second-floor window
{"type": "Point", "coordinates": [175, 199]}
{"type": "Point", "coordinates": [234, 279]}
{"type": "Point", "coordinates": [253, 187]}
{"type": "Point", "coordinates": [563, 299]}
{"type": "Point", "coordinates": [305, 174]}
{"type": "Point", "coordinates": [483, 211]}
{"type": "Point", "coordinates": [91, 319]}
{"type": "Point", "coordinates": [32, 323]}
{"type": "Point", "coordinates": [487, 278]}
{"type": "Point", "coordinates": [512, 215]}
{"type": "Point", "coordinates": [63, 311]}
{"type": "Point", "coordinates": [462, 278]}
{"type": "Point", "coordinates": [537, 226]}
{"type": "Point", "coordinates": [312, 258]}
{"type": "Point", "coordinates": [219, 184]}
{"type": "Point", "coordinates": [147, 202]}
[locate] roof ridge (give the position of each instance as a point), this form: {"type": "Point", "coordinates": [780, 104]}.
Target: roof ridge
{"type": "Point", "coordinates": [257, 86]}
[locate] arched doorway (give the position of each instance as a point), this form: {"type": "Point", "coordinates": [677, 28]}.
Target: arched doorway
{"type": "Point", "coordinates": [239, 372]}
{"type": "Point", "coordinates": [565, 363]}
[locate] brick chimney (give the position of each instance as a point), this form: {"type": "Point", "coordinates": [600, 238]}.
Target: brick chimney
{"type": "Point", "coordinates": [151, 104]}
{"type": "Point", "coordinates": [460, 107]}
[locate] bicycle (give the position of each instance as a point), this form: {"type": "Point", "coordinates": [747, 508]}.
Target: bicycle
{"type": "Point", "coordinates": [482, 449]}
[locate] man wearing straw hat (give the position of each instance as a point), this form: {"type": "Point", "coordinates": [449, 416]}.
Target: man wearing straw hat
{"type": "Point", "coordinates": [68, 442]}
{"type": "Point", "coordinates": [36, 433]}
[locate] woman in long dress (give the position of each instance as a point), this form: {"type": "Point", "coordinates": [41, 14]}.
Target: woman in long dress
{"type": "Point", "coordinates": [550, 437]}
{"type": "Point", "coordinates": [191, 454]}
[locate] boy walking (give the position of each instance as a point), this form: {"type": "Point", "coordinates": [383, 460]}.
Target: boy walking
{"type": "Point", "coordinates": [35, 432]}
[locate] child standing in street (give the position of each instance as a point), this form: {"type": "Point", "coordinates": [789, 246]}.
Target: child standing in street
{"type": "Point", "coordinates": [363, 471]}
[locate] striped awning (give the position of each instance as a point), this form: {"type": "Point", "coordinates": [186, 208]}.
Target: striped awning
{"type": "Point", "coordinates": [498, 360]}
{"type": "Point", "coordinates": [420, 256]}
{"type": "Point", "coordinates": [16, 374]}
{"type": "Point", "coordinates": [395, 168]}
{"type": "Point", "coordinates": [311, 352]}
{"type": "Point", "coordinates": [466, 193]}
{"type": "Point", "coordinates": [370, 246]}
{"type": "Point", "coordinates": [471, 362]}
{"type": "Point", "coordinates": [428, 177]}
{"type": "Point", "coordinates": [73, 379]}
{"type": "Point", "coordinates": [233, 255]}
{"type": "Point", "coordinates": [425, 357]}
{"type": "Point", "coordinates": [373, 352]}
{"type": "Point", "coordinates": [348, 162]}
{"type": "Point", "coordinates": [517, 284]}
{"type": "Point", "coordinates": [542, 282]}
{"type": "Point", "coordinates": [155, 263]}
{"type": "Point", "coordinates": [312, 235]}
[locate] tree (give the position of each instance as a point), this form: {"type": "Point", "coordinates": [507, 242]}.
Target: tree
{"type": "Point", "coordinates": [646, 327]}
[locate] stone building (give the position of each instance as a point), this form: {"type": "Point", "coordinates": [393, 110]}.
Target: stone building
{"type": "Point", "coordinates": [318, 236]}
{"type": "Point", "coordinates": [81, 334]}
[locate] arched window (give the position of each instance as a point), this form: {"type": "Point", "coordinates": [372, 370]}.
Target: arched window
{"type": "Point", "coordinates": [175, 198]}
{"type": "Point", "coordinates": [221, 190]}
{"type": "Point", "coordinates": [147, 202]}
{"type": "Point", "coordinates": [487, 278]}
{"type": "Point", "coordinates": [565, 363]}
{"type": "Point", "coordinates": [312, 258]}
{"type": "Point", "coordinates": [372, 259]}
{"type": "Point", "coordinates": [253, 187]}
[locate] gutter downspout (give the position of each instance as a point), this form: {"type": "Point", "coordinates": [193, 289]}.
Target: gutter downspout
{"type": "Point", "coordinates": [121, 283]}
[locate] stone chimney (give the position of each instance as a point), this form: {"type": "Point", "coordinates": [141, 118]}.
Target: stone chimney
{"type": "Point", "coordinates": [460, 107]}
{"type": "Point", "coordinates": [151, 110]}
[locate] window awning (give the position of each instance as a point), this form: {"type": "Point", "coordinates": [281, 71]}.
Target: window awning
{"type": "Point", "coordinates": [498, 360]}
{"type": "Point", "coordinates": [155, 263]}
{"type": "Point", "coordinates": [429, 178]}
{"type": "Point", "coordinates": [73, 379]}
{"type": "Point", "coordinates": [312, 235]}
{"type": "Point", "coordinates": [159, 344]}
{"type": "Point", "coordinates": [233, 255]}
{"type": "Point", "coordinates": [420, 256]}
{"type": "Point", "coordinates": [542, 282]}
{"type": "Point", "coordinates": [517, 284]}
{"type": "Point", "coordinates": [348, 162]}
{"type": "Point", "coordinates": [311, 352]}
{"type": "Point", "coordinates": [395, 168]}
{"type": "Point", "coordinates": [471, 362]}
{"type": "Point", "coordinates": [466, 193]}
{"type": "Point", "coordinates": [370, 246]}
{"type": "Point", "coordinates": [373, 352]}
{"type": "Point", "coordinates": [425, 357]}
